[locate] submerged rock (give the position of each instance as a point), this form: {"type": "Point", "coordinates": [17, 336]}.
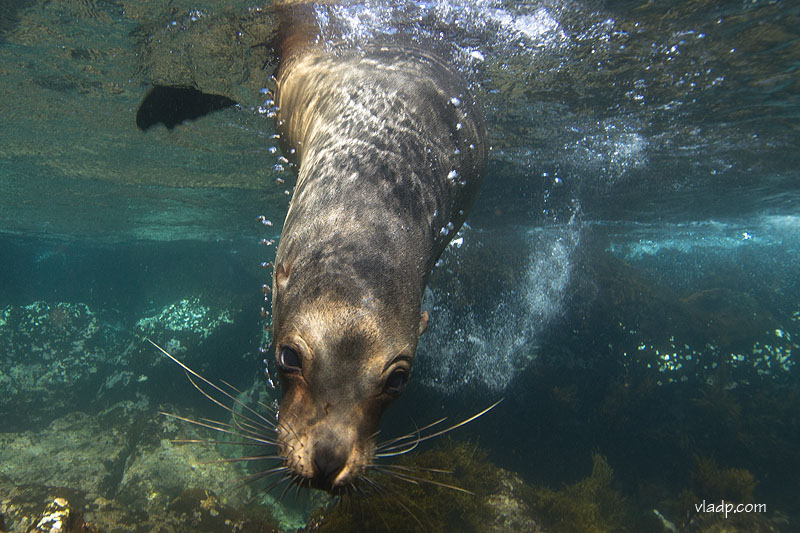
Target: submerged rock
{"type": "Point", "coordinates": [36, 508]}
{"type": "Point", "coordinates": [121, 471]}
{"type": "Point", "coordinates": [187, 316]}
{"type": "Point", "coordinates": [64, 356]}
{"type": "Point", "coordinates": [55, 357]}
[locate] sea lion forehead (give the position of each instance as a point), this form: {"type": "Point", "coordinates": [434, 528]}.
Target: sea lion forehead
{"type": "Point", "coordinates": [337, 326]}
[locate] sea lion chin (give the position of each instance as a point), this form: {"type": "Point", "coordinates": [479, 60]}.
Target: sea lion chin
{"type": "Point", "coordinates": [390, 149]}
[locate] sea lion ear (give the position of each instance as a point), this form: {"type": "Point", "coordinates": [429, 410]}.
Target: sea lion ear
{"type": "Point", "coordinates": [281, 276]}
{"type": "Point", "coordinates": [423, 323]}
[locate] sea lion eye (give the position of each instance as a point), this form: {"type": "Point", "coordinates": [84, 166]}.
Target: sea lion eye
{"type": "Point", "coordinates": [288, 360]}
{"type": "Point", "coordinates": [396, 382]}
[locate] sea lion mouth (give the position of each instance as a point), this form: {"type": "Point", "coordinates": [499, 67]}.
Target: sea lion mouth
{"type": "Point", "coordinates": [327, 486]}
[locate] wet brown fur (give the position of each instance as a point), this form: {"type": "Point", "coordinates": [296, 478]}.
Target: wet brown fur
{"type": "Point", "coordinates": [374, 133]}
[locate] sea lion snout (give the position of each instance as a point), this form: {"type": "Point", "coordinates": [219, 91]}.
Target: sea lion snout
{"type": "Point", "coordinates": [326, 445]}
{"type": "Point", "coordinates": [329, 459]}
{"type": "Point", "coordinates": [334, 460]}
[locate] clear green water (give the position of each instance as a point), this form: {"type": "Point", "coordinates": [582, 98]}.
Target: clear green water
{"type": "Point", "coordinates": [628, 282]}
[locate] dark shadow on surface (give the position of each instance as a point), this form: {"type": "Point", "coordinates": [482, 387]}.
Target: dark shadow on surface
{"type": "Point", "coordinates": [172, 106]}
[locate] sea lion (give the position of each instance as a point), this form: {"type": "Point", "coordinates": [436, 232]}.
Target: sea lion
{"type": "Point", "coordinates": [390, 149]}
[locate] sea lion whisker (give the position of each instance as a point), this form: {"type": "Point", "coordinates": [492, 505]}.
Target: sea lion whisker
{"type": "Point", "coordinates": [260, 440]}
{"type": "Point", "coordinates": [237, 426]}
{"type": "Point", "coordinates": [230, 386]}
{"type": "Point", "coordinates": [411, 468]}
{"type": "Point", "coordinates": [235, 429]}
{"type": "Point", "coordinates": [396, 475]}
{"type": "Point", "coordinates": [284, 477]}
{"type": "Point", "coordinates": [371, 483]}
{"type": "Point", "coordinates": [414, 434]}
{"type": "Point", "coordinates": [266, 422]}
{"type": "Point", "coordinates": [399, 452]}
{"type": "Point", "coordinates": [417, 480]}
{"type": "Point", "coordinates": [397, 449]}
{"type": "Point", "coordinates": [252, 478]}
{"type": "Point", "coordinates": [447, 430]}
{"type": "Point", "coordinates": [216, 442]}
{"type": "Point", "coordinates": [357, 486]}
{"type": "Point", "coordinates": [268, 408]}
{"type": "Point", "coordinates": [251, 427]}
{"type": "Point", "coordinates": [237, 391]}
{"type": "Point", "coordinates": [380, 513]}
{"type": "Point", "coordinates": [294, 479]}
{"type": "Point", "coordinates": [212, 385]}
{"type": "Point", "coordinates": [287, 428]}
{"type": "Point", "coordinates": [297, 488]}
{"type": "Point", "coordinates": [240, 459]}
{"type": "Point", "coordinates": [397, 499]}
{"type": "Point", "coordinates": [255, 476]}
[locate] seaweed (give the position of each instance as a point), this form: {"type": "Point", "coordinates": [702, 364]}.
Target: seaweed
{"type": "Point", "coordinates": [408, 506]}
{"type": "Point", "coordinates": [720, 490]}
{"type": "Point", "coordinates": [587, 506]}
{"type": "Point", "coordinates": [715, 483]}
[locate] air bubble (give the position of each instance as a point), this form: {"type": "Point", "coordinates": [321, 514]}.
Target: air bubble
{"type": "Point", "coordinates": [455, 101]}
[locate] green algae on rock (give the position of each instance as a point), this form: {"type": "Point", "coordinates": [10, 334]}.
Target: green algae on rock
{"type": "Point", "coordinates": [589, 505]}
{"type": "Point", "coordinates": [120, 471]}
{"type": "Point", "coordinates": [494, 504]}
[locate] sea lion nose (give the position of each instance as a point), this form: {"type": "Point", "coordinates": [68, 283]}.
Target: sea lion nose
{"type": "Point", "coordinates": [329, 460]}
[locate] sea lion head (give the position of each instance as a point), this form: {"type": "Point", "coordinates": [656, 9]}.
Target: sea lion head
{"type": "Point", "coordinates": [340, 366]}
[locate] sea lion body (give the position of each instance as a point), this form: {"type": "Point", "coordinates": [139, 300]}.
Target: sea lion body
{"type": "Point", "coordinates": [390, 149]}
